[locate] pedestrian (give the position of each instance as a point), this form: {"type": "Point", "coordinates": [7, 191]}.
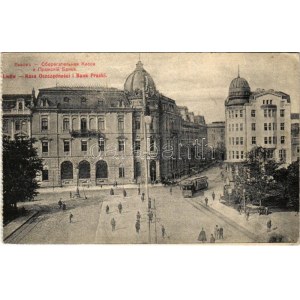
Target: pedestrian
{"type": "Point", "coordinates": [120, 207]}
{"type": "Point", "coordinates": [212, 239]}
{"type": "Point", "coordinates": [240, 209]}
{"type": "Point", "coordinates": [150, 215]}
{"type": "Point", "coordinates": [101, 186]}
{"type": "Point", "coordinates": [70, 195]}
{"type": "Point", "coordinates": [137, 226]}
{"type": "Point", "coordinates": [163, 231]}
{"type": "Point", "coordinates": [266, 210]}
{"type": "Point", "coordinates": [269, 225]}
{"type": "Point", "coordinates": [113, 224]}
{"type": "Point", "coordinates": [139, 190]}
{"type": "Point", "coordinates": [138, 216]}
{"type": "Point", "coordinates": [112, 191]}
{"type": "Point", "coordinates": [116, 183]}
{"type": "Point", "coordinates": [247, 215]}
{"type": "Point", "coordinates": [221, 233]}
{"type": "Point", "coordinates": [206, 201]}
{"type": "Point", "coordinates": [202, 236]}
{"type": "Point", "coordinates": [143, 197]}
{"type": "Point", "coordinates": [171, 190]}
{"type": "Point", "coordinates": [70, 217]}
{"type": "Point", "coordinates": [216, 232]}
{"type": "Point", "coordinates": [124, 193]}
{"type": "Point", "coordinates": [107, 209]}
{"type": "Point", "coordinates": [60, 203]}
{"type": "Point", "coordinates": [213, 195]}
{"type": "Point", "coordinates": [64, 207]}
{"type": "Point", "coordinates": [149, 203]}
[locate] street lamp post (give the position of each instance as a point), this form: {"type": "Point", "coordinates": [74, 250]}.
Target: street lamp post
{"type": "Point", "coordinates": [202, 146]}
{"type": "Point", "coordinates": [147, 120]}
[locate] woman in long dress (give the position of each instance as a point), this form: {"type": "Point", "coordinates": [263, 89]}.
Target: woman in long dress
{"type": "Point", "coordinates": [202, 236]}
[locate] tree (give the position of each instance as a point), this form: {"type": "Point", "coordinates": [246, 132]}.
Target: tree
{"type": "Point", "coordinates": [20, 167]}
{"type": "Point", "coordinates": [287, 180]}
{"type": "Point", "coordinates": [258, 176]}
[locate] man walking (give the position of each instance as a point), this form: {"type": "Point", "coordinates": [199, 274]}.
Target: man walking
{"type": "Point", "coordinates": [137, 226]}
{"type": "Point", "coordinates": [221, 233]}
{"type": "Point", "coordinates": [139, 190]}
{"type": "Point", "coordinates": [70, 218]}
{"type": "Point", "coordinates": [213, 195]}
{"type": "Point", "coordinates": [216, 232]}
{"type": "Point", "coordinates": [113, 224]}
{"type": "Point", "coordinates": [107, 209]}
{"type": "Point", "coordinates": [269, 225]}
{"type": "Point", "coordinates": [120, 207]}
{"type": "Point", "coordinates": [143, 197]}
{"type": "Point", "coordinates": [163, 231]}
{"type": "Point", "coordinates": [206, 201]}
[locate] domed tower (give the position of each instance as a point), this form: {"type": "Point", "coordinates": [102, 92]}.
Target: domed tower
{"type": "Point", "coordinates": [236, 119]}
{"type": "Point", "coordinates": [239, 92]}
{"type": "Point", "coordinates": [138, 81]}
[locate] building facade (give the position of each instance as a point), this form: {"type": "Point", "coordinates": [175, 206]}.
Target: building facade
{"type": "Point", "coordinates": [94, 136]}
{"type": "Point", "coordinates": [216, 138]}
{"type": "Point", "coordinates": [295, 147]}
{"type": "Point", "coordinates": [259, 118]}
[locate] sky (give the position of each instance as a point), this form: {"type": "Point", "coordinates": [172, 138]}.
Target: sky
{"type": "Point", "coordinates": [199, 81]}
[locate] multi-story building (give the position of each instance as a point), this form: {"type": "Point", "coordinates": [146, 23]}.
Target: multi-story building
{"type": "Point", "coordinates": [17, 114]}
{"type": "Point", "coordinates": [216, 138]}
{"type": "Point", "coordinates": [260, 118]}
{"type": "Point", "coordinates": [295, 118]}
{"type": "Point", "coordinates": [94, 136]}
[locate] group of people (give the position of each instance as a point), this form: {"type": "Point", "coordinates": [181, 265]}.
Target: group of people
{"type": "Point", "coordinates": [62, 205]}
{"type": "Point", "coordinates": [217, 235]}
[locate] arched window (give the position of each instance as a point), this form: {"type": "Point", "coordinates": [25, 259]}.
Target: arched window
{"type": "Point", "coordinates": [66, 170]}
{"type": "Point", "coordinates": [20, 105]}
{"type": "Point", "coordinates": [74, 121]}
{"type": "Point", "coordinates": [101, 169]}
{"type": "Point", "coordinates": [84, 169]}
{"type": "Point", "coordinates": [66, 124]}
{"type": "Point", "coordinates": [137, 169]}
{"type": "Point", "coordinates": [92, 123]}
{"type": "Point", "coordinates": [83, 124]}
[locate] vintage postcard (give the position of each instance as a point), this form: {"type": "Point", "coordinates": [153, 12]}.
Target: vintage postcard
{"type": "Point", "coordinates": [150, 148]}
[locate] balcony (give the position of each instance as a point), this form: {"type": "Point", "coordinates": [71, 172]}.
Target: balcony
{"type": "Point", "coordinates": [86, 133]}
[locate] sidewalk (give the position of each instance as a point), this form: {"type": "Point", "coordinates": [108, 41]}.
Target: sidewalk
{"type": "Point", "coordinates": [15, 224]}
{"type": "Point", "coordinates": [283, 223]}
{"type": "Point", "coordinates": [90, 188]}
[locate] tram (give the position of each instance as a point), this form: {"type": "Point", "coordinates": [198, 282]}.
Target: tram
{"type": "Point", "coordinates": [191, 186]}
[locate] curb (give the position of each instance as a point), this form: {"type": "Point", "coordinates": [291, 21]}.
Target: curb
{"type": "Point", "coordinates": [25, 222]}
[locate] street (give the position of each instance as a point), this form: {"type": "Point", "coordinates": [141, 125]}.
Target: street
{"type": "Point", "coordinates": [182, 218]}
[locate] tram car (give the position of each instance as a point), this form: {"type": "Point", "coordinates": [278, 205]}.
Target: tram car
{"type": "Point", "coordinates": [191, 186]}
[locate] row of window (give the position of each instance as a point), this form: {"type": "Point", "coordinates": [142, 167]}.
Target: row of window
{"type": "Point", "coordinates": [236, 154]}
{"type": "Point", "coordinates": [19, 125]}
{"type": "Point", "coordinates": [235, 113]}
{"type": "Point", "coordinates": [83, 124]}
{"type": "Point", "coordinates": [101, 145]}
{"type": "Point", "coordinates": [236, 141]}
{"type": "Point", "coordinates": [237, 127]}
{"type": "Point", "coordinates": [84, 170]}
{"type": "Point", "coordinates": [269, 126]}
{"type": "Point", "coordinates": [267, 101]}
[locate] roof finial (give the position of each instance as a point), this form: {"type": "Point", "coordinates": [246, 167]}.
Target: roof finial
{"type": "Point", "coordinates": [238, 71]}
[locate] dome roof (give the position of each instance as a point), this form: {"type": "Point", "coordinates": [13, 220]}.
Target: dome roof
{"type": "Point", "coordinates": [139, 80]}
{"type": "Point", "coordinates": [239, 89]}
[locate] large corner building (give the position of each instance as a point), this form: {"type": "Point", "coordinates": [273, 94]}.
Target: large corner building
{"type": "Point", "coordinates": [95, 136]}
{"type": "Point", "coordinates": [259, 118]}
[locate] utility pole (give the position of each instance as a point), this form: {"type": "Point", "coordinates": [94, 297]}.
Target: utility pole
{"type": "Point", "coordinates": [155, 221]}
